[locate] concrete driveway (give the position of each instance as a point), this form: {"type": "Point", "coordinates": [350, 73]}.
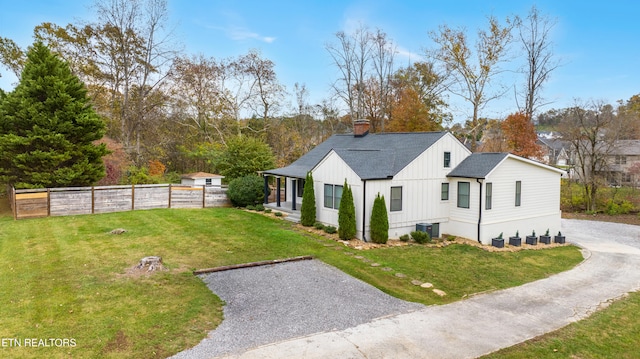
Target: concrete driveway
{"type": "Point", "coordinates": [488, 322]}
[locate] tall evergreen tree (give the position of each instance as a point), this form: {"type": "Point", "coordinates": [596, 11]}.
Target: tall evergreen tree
{"type": "Point", "coordinates": [308, 210]}
{"type": "Point", "coordinates": [346, 214]}
{"type": "Point", "coordinates": [47, 128]}
{"type": "Point", "coordinates": [379, 221]}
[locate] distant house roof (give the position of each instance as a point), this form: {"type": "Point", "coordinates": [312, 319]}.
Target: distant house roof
{"type": "Point", "coordinates": [626, 148]}
{"type": "Point", "coordinates": [374, 156]}
{"type": "Point", "coordinates": [480, 164]}
{"type": "Point", "coordinates": [196, 175]}
{"type": "Point", "coordinates": [555, 143]}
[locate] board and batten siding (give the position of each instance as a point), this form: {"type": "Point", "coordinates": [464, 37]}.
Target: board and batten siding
{"type": "Point", "coordinates": [333, 170]}
{"type": "Point", "coordinates": [463, 222]}
{"type": "Point", "coordinates": [421, 182]}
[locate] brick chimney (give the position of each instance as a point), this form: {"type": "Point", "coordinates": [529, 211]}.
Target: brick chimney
{"type": "Point", "coordinates": [360, 128]}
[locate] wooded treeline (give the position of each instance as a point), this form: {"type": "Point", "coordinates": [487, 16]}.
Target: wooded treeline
{"type": "Point", "coordinates": [167, 111]}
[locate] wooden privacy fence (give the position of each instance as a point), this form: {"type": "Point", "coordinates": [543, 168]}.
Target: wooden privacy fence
{"type": "Point", "coordinates": [33, 203]}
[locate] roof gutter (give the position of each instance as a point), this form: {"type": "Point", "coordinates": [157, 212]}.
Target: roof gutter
{"type": "Point", "coordinates": [364, 208]}
{"type": "Point", "coordinates": [479, 208]}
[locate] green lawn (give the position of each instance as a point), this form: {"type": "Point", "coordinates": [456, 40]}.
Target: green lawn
{"type": "Point", "coordinates": [66, 277]}
{"type": "Point", "coordinates": [610, 333]}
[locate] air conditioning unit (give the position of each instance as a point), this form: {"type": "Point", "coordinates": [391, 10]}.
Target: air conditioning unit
{"type": "Point", "coordinates": [425, 227]}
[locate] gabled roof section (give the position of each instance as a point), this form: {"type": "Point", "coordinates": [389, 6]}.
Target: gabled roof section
{"type": "Point", "coordinates": [478, 165]}
{"type": "Point", "coordinates": [374, 156]}
{"type": "Point", "coordinates": [362, 164]}
{"type": "Point", "coordinates": [200, 175]}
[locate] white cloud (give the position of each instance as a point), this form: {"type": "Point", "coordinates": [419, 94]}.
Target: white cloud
{"type": "Point", "coordinates": [241, 33]}
{"type": "Point", "coordinates": [408, 55]}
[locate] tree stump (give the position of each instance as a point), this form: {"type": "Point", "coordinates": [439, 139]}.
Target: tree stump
{"type": "Point", "coordinates": [152, 263]}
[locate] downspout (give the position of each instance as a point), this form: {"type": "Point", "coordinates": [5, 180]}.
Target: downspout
{"type": "Point", "coordinates": [479, 209]}
{"type": "Point", "coordinates": [364, 207]}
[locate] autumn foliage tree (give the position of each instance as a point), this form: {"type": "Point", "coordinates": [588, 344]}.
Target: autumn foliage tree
{"type": "Point", "coordinates": [520, 136]}
{"type": "Point", "coordinates": [409, 114]}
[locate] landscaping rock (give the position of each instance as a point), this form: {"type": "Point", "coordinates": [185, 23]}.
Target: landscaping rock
{"type": "Point", "coordinates": [387, 269]}
{"type": "Point", "coordinates": [416, 282]}
{"type": "Point", "coordinates": [400, 275]}
{"type": "Point", "coordinates": [439, 292]}
{"type": "Point", "coordinates": [426, 285]}
{"type": "Point", "coordinates": [375, 264]}
{"type": "Point", "coordinates": [118, 231]}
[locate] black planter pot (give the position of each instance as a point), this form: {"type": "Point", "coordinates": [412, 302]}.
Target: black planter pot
{"type": "Point", "coordinates": [532, 240]}
{"type": "Point", "coordinates": [558, 239]}
{"type": "Point", "coordinates": [545, 239]}
{"type": "Point", "coordinates": [515, 241]}
{"type": "Point", "coordinates": [497, 242]}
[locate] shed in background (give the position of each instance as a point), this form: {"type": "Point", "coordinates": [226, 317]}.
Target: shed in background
{"type": "Point", "coordinates": [201, 179]}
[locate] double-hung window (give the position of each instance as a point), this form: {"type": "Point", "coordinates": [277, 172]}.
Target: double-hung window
{"type": "Point", "coordinates": [444, 192]}
{"type": "Point", "coordinates": [447, 159]}
{"type": "Point", "coordinates": [332, 196]}
{"type": "Point", "coordinates": [464, 191]}
{"type": "Point", "coordinates": [488, 195]}
{"type": "Point", "coordinates": [396, 199]}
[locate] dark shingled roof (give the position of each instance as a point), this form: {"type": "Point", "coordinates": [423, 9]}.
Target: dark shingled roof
{"type": "Point", "coordinates": [374, 156]}
{"type": "Point", "coordinates": [478, 165]}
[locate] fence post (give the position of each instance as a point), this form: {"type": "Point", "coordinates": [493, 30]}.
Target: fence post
{"type": "Point", "coordinates": [204, 194]}
{"type": "Point", "coordinates": [133, 197]}
{"type": "Point", "coordinates": [170, 195]}
{"type": "Point", "coordinates": [48, 202]}
{"type": "Point", "coordinates": [14, 205]}
{"type": "Point", "coordinates": [93, 200]}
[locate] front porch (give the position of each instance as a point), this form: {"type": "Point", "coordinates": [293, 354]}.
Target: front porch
{"type": "Point", "coordinates": [286, 207]}
{"type": "Point", "coordinates": [284, 195]}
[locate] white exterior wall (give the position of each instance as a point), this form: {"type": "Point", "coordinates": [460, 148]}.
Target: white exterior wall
{"type": "Point", "coordinates": [463, 222]}
{"type": "Point", "coordinates": [539, 209]}
{"type": "Point", "coordinates": [421, 183]}
{"type": "Point", "coordinates": [201, 181]}
{"type": "Point", "coordinates": [333, 170]}
{"type": "Point", "coordinates": [540, 201]}
{"type": "Point", "coordinates": [188, 182]}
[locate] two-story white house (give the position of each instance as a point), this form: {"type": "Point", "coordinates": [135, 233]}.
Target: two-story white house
{"type": "Point", "coordinates": [426, 178]}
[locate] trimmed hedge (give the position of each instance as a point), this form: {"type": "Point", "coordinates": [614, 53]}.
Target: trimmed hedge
{"type": "Point", "coordinates": [379, 221]}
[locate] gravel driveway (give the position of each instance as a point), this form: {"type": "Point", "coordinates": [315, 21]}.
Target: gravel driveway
{"type": "Point", "coordinates": [277, 302]}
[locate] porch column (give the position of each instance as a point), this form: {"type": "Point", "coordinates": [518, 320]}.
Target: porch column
{"type": "Point", "coordinates": [293, 194]}
{"type": "Point", "coordinates": [266, 189]}
{"type": "Point", "coordinates": [278, 191]}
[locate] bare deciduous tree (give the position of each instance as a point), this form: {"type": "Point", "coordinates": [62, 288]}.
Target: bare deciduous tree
{"type": "Point", "coordinates": [591, 131]}
{"type": "Point", "coordinates": [472, 77]}
{"type": "Point", "coordinates": [535, 38]}
{"type": "Point", "coordinates": [365, 62]}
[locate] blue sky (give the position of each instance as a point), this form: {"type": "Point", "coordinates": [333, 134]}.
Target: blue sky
{"type": "Point", "coordinates": [596, 41]}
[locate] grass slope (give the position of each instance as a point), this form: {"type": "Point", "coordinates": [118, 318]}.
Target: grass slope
{"type": "Point", "coordinates": [610, 333]}
{"type": "Point", "coordinates": [66, 277]}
